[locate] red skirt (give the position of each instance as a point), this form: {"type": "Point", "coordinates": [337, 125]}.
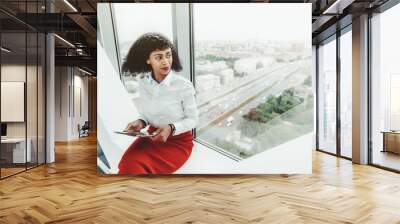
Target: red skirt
{"type": "Point", "coordinates": [145, 156]}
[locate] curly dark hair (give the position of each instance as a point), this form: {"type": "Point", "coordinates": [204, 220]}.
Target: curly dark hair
{"type": "Point", "coordinates": [135, 61]}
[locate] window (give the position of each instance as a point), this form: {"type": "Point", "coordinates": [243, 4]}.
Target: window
{"type": "Point", "coordinates": [327, 96]}
{"type": "Point", "coordinates": [13, 71]}
{"type": "Point", "coordinates": [394, 101]}
{"type": "Point", "coordinates": [385, 87]}
{"type": "Point", "coordinates": [254, 87]}
{"type": "Point", "coordinates": [346, 94]}
{"type": "Point", "coordinates": [133, 20]}
{"type": "Point", "coordinates": [22, 74]}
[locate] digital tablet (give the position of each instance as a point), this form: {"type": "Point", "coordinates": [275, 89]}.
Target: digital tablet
{"type": "Point", "coordinates": [135, 134]}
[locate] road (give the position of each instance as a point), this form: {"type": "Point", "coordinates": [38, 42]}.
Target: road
{"type": "Point", "coordinates": [221, 116]}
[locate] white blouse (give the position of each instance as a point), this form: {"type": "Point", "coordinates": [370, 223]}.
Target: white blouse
{"type": "Point", "coordinates": [170, 102]}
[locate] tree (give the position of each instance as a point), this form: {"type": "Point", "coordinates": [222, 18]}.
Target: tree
{"type": "Point", "coordinates": [274, 106]}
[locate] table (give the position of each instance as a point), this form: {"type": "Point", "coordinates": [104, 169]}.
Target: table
{"type": "Point", "coordinates": [13, 150]}
{"type": "Point", "coordinates": [391, 141]}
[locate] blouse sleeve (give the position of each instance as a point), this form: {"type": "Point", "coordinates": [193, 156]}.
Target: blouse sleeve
{"type": "Point", "coordinates": [140, 104]}
{"type": "Point", "coordinates": [191, 115]}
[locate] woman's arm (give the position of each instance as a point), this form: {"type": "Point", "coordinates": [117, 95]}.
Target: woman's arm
{"type": "Point", "coordinates": [189, 109]}
{"type": "Point", "coordinates": [136, 125]}
{"type": "Point", "coordinates": [141, 104]}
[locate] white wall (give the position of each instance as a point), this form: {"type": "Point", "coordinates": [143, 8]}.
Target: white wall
{"type": "Point", "coordinates": [79, 117]}
{"type": "Point", "coordinates": [12, 100]}
{"type": "Point", "coordinates": [61, 103]}
{"type": "Point", "coordinates": [70, 83]}
{"type": "Point", "coordinates": [12, 73]}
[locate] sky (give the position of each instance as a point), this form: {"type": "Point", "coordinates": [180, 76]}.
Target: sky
{"type": "Point", "coordinates": [252, 21]}
{"type": "Point", "coordinates": [220, 21]}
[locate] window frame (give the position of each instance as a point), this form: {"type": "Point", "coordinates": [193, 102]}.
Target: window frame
{"type": "Point", "coordinates": [334, 37]}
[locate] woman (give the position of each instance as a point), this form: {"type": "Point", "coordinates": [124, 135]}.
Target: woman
{"type": "Point", "coordinates": [167, 105]}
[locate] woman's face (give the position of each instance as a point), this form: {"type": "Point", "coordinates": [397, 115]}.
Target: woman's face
{"type": "Point", "coordinates": [160, 61]}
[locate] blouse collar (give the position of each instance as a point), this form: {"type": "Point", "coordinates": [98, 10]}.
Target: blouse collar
{"type": "Point", "coordinates": [166, 81]}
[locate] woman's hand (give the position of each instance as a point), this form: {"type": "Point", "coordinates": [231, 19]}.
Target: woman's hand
{"type": "Point", "coordinates": [135, 126]}
{"type": "Point", "coordinates": [162, 133]}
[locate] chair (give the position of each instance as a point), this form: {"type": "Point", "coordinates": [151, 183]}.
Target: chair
{"type": "Point", "coordinates": [84, 130]}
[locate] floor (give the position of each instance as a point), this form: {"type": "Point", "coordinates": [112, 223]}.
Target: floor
{"type": "Point", "coordinates": [9, 170]}
{"type": "Point", "coordinates": [387, 159]}
{"type": "Point", "coordinates": [70, 191]}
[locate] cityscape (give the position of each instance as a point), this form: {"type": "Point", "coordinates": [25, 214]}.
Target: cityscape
{"type": "Point", "coordinates": [236, 83]}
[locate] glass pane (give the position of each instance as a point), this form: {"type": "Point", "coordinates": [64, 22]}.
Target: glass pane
{"type": "Point", "coordinates": [127, 16]}
{"type": "Point", "coordinates": [386, 89]}
{"type": "Point", "coordinates": [41, 98]}
{"type": "Point", "coordinates": [346, 93]}
{"type": "Point", "coordinates": [327, 96]}
{"type": "Point", "coordinates": [314, 87]}
{"type": "Point", "coordinates": [31, 98]}
{"type": "Point", "coordinates": [31, 88]}
{"type": "Point", "coordinates": [254, 89]}
{"type": "Point", "coordinates": [13, 87]}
